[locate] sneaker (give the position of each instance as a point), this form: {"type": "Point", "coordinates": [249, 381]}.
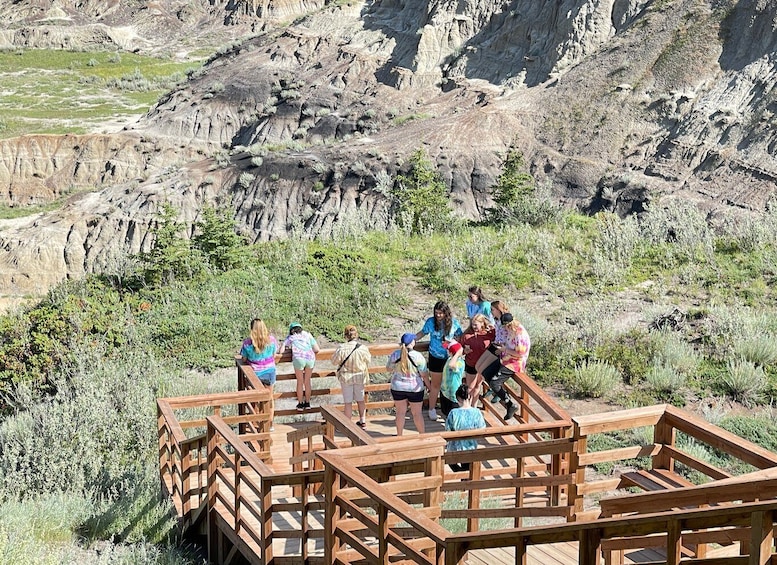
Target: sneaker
{"type": "Point", "coordinates": [362, 425]}
{"type": "Point", "coordinates": [272, 428]}
{"type": "Point", "coordinates": [511, 410]}
{"type": "Point", "coordinates": [307, 404]}
{"type": "Point", "coordinates": [300, 406]}
{"type": "Point", "coordinates": [433, 415]}
{"type": "Point", "coordinates": [495, 399]}
{"type": "Point", "coordinates": [489, 393]}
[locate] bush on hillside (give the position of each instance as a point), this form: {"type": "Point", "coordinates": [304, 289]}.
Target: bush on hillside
{"type": "Point", "coordinates": [517, 197]}
{"type": "Point", "coordinates": [420, 198]}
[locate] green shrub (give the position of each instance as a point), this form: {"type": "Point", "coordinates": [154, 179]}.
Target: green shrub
{"type": "Point", "coordinates": [674, 352]}
{"type": "Point", "coordinates": [517, 197]}
{"type": "Point", "coordinates": [218, 241]}
{"type": "Point", "coordinates": [420, 198]}
{"type": "Point", "coordinates": [664, 380]}
{"type": "Point", "coordinates": [761, 430]}
{"type": "Point", "coordinates": [171, 254]}
{"type": "Point", "coordinates": [744, 382]}
{"type": "Point", "coordinates": [760, 349]}
{"type": "Point", "coordinates": [594, 379]}
{"type": "Point", "coordinates": [630, 352]}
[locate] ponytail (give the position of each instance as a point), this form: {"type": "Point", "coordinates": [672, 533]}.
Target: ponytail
{"type": "Point", "coordinates": [404, 355]}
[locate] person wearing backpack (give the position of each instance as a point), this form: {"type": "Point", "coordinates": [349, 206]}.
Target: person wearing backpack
{"type": "Point", "coordinates": [353, 371]}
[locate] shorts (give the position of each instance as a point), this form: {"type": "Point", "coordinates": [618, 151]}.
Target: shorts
{"type": "Point", "coordinates": [470, 369]}
{"type": "Point", "coordinates": [352, 391]}
{"type": "Point", "coordinates": [300, 364]}
{"type": "Point", "coordinates": [399, 395]}
{"type": "Point", "coordinates": [446, 405]}
{"type": "Point", "coordinates": [267, 377]}
{"type": "Point", "coordinates": [435, 364]}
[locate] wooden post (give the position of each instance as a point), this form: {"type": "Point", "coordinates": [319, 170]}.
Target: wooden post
{"type": "Point", "coordinates": [296, 451]}
{"type": "Point", "coordinates": [475, 470]}
{"type": "Point", "coordinates": [674, 543]}
{"type": "Point", "coordinates": [331, 515]}
{"type": "Point", "coordinates": [304, 518]}
{"type": "Point", "coordinates": [521, 556]}
{"type": "Point", "coordinates": [520, 469]}
{"type": "Point", "coordinates": [577, 502]}
{"type": "Point", "coordinates": [590, 547]}
{"type": "Point", "coordinates": [214, 545]}
{"type": "Point", "coordinates": [383, 532]}
{"type": "Point", "coordinates": [761, 537]}
{"type": "Point", "coordinates": [238, 498]}
{"type": "Point", "coordinates": [434, 467]}
{"type": "Point", "coordinates": [556, 469]}
{"type": "Point", "coordinates": [663, 434]}
{"type": "Point", "coordinates": [266, 512]}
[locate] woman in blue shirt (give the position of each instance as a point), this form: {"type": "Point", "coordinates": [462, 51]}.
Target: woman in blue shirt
{"type": "Point", "coordinates": [477, 304]}
{"type": "Point", "coordinates": [441, 327]}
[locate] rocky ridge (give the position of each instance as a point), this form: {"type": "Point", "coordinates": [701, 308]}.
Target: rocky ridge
{"type": "Point", "coordinates": [615, 105]}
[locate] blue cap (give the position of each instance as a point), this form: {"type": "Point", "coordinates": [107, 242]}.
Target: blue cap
{"type": "Point", "coordinates": [294, 325]}
{"type": "Point", "coordinates": [407, 339]}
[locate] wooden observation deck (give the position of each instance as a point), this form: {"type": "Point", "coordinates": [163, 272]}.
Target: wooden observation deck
{"type": "Point", "coordinates": [317, 489]}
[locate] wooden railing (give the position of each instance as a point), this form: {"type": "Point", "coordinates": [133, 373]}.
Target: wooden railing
{"type": "Point", "coordinates": [246, 498]}
{"type": "Point", "coordinates": [395, 526]}
{"type": "Point", "coordinates": [757, 520]}
{"type": "Point", "coordinates": [664, 452]}
{"type": "Point", "coordinates": [182, 456]}
{"type": "Point", "coordinates": [534, 405]}
{"type": "Point", "coordinates": [398, 530]}
{"type": "Point", "coordinates": [380, 499]}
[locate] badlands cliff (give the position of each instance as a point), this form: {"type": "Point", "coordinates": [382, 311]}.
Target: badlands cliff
{"type": "Point", "coordinates": [616, 104]}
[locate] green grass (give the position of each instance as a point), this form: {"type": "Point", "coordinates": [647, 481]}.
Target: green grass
{"type": "Point", "coordinates": [43, 90]}
{"type": "Point", "coordinates": [110, 345]}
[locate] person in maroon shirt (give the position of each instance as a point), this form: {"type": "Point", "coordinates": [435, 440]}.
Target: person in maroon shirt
{"type": "Point", "coordinates": [476, 340]}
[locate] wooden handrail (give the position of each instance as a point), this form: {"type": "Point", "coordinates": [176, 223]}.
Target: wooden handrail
{"type": "Point", "coordinates": [719, 438]}
{"type": "Point", "coordinates": [591, 534]}
{"type": "Point", "coordinates": [710, 493]}
{"type": "Point", "coordinates": [619, 420]}
{"type": "Point", "coordinates": [382, 496]}
{"type": "Point", "coordinates": [238, 445]}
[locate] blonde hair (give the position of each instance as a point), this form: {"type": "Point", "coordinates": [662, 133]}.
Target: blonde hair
{"type": "Point", "coordinates": [512, 326]}
{"type": "Point", "coordinates": [482, 319]}
{"type": "Point", "coordinates": [404, 359]}
{"type": "Point", "coordinates": [350, 333]}
{"type": "Point", "coordinates": [260, 335]}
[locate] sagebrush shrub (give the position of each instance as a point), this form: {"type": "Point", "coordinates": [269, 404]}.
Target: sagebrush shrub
{"type": "Point", "coordinates": [664, 379]}
{"type": "Point", "coordinates": [760, 349]}
{"type": "Point", "coordinates": [745, 382]}
{"type": "Point", "coordinates": [594, 379]}
{"type": "Point", "coordinates": [674, 352]}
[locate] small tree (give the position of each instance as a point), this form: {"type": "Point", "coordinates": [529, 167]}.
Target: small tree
{"type": "Point", "coordinates": [171, 254]}
{"type": "Point", "coordinates": [421, 197]}
{"type": "Point", "coordinates": [217, 240]}
{"type": "Point", "coordinates": [516, 197]}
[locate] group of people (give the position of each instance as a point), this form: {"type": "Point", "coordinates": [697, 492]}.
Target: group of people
{"type": "Point", "coordinates": [492, 349]}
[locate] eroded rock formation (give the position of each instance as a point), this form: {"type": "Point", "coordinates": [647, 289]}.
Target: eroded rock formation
{"type": "Point", "coordinates": [614, 103]}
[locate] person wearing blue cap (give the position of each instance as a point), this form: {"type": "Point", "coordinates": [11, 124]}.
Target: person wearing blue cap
{"type": "Point", "coordinates": [409, 378]}
{"type": "Point", "coordinates": [303, 357]}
